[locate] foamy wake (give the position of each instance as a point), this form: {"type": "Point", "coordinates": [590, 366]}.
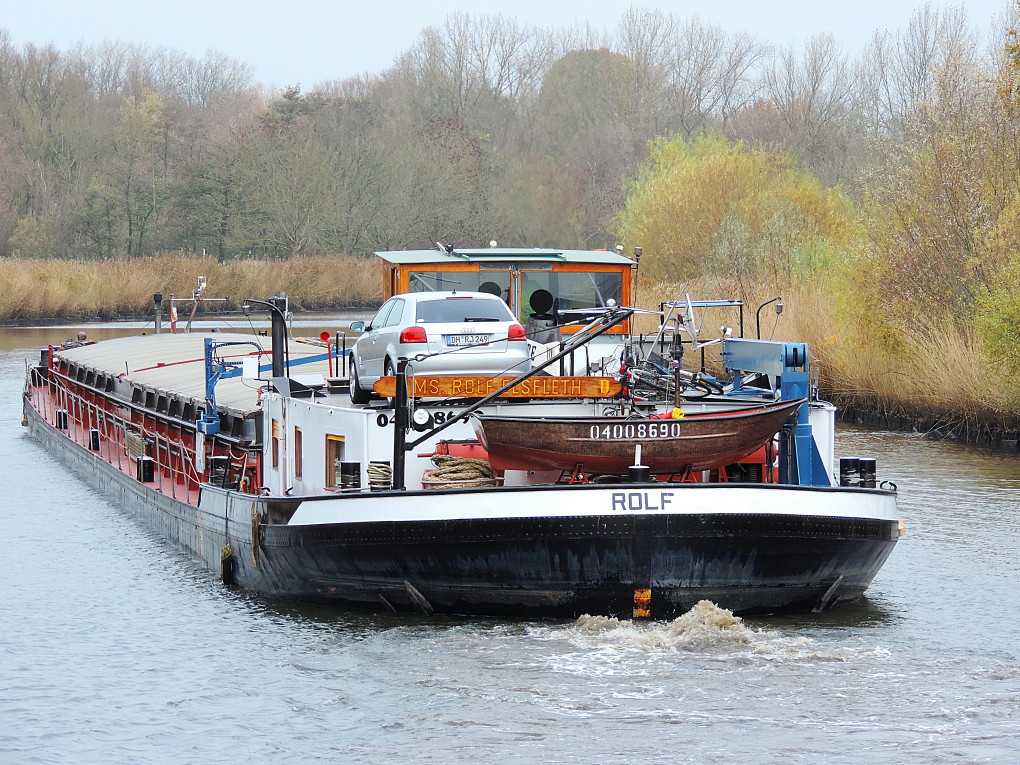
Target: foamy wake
{"type": "Point", "coordinates": [706, 628]}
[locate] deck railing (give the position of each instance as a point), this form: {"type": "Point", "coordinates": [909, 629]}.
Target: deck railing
{"type": "Point", "coordinates": [118, 435]}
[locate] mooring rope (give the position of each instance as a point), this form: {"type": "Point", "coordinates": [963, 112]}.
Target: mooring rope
{"type": "Point", "coordinates": [380, 475]}
{"type": "Point", "coordinates": [453, 472]}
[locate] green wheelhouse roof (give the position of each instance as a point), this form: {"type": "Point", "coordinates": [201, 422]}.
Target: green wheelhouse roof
{"type": "Point", "coordinates": [503, 255]}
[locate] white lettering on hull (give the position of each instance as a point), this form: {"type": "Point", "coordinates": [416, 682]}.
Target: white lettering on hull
{"type": "Point", "coordinates": [630, 431]}
{"type": "Point", "coordinates": [629, 501]}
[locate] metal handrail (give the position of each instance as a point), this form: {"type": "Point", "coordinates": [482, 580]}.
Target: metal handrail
{"type": "Point", "coordinates": [178, 466]}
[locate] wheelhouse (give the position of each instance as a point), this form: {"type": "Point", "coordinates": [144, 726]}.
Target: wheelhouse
{"type": "Point", "coordinates": [537, 284]}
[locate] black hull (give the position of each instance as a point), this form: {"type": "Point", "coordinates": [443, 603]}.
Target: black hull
{"type": "Point", "coordinates": [565, 567]}
{"type": "Point", "coordinates": [528, 567]}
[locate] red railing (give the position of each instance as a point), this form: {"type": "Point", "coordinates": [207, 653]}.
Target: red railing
{"type": "Point", "coordinates": [121, 430]}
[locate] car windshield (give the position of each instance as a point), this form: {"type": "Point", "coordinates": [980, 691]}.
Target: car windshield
{"type": "Point", "coordinates": [461, 310]}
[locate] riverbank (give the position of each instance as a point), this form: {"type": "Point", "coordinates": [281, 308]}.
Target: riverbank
{"type": "Point", "coordinates": [36, 290]}
{"type": "Point", "coordinates": [1000, 432]}
{"type": "Point", "coordinates": [934, 379]}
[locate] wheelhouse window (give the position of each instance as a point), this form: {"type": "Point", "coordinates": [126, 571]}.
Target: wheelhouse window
{"type": "Point", "coordinates": [493, 282]}
{"type": "Point", "coordinates": [298, 453]}
{"type": "Point", "coordinates": [517, 284]}
{"type": "Point", "coordinates": [571, 290]}
{"type": "Point", "coordinates": [334, 458]}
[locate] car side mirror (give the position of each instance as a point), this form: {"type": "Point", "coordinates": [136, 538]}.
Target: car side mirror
{"type": "Point", "coordinates": [358, 326]}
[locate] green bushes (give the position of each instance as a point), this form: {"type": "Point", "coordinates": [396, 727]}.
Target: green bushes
{"type": "Point", "coordinates": [708, 206]}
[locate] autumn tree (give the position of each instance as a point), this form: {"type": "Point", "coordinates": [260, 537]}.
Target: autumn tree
{"type": "Point", "coordinates": [584, 106]}
{"type": "Point", "coordinates": [484, 128]}
{"type": "Point", "coordinates": [998, 304]}
{"type": "Point", "coordinates": [49, 127]}
{"type": "Point", "coordinates": [707, 206]}
{"type": "Point", "coordinates": [123, 69]}
{"type": "Point", "coordinates": [284, 185]}
{"type": "Point", "coordinates": [205, 193]}
{"type": "Point", "coordinates": [934, 197]}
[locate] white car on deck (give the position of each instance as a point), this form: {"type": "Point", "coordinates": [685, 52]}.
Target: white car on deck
{"type": "Point", "coordinates": [453, 333]}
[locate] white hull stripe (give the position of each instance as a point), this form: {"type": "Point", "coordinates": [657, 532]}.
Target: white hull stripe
{"type": "Point", "coordinates": [564, 502]}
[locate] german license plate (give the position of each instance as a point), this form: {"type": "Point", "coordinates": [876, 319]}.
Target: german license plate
{"type": "Point", "coordinates": [466, 339]}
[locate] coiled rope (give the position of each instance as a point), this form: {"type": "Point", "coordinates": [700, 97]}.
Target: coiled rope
{"type": "Point", "coordinates": [380, 475]}
{"type": "Point", "coordinates": [458, 472]}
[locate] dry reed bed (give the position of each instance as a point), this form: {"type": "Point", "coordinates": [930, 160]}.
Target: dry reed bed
{"type": "Point", "coordinates": [937, 373]}
{"type": "Point", "coordinates": [45, 289]}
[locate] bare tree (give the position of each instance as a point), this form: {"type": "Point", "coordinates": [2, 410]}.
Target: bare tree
{"type": "Point", "coordinates": [903, 70]}
{"type": "Point", "coordinates": [201, 80]}
{"type": "Point", "coordinates": [476, 69]}
{"type": "Point", "coordinates": [815, 95]}
{"type": "Point", "coordinates": [709, 74]}
{"type": "Point", "coordinates": [648, 38]}
{"type": "Point", "coordinates": [124, 69]}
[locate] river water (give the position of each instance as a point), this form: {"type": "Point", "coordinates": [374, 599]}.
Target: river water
{"type": "Point", "coordinates": [117, 648]}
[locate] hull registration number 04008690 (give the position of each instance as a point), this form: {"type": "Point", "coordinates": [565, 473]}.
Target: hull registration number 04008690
{"type": "Point", "coordinates": [466, 339]}
{"type": "Point", "coordinates": [625, 431]}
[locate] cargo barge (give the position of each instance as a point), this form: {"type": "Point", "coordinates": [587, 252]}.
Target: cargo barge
{"type": "Point", "coordinates": [249, 452]}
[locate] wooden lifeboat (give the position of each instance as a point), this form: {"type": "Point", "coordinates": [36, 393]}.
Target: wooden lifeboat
{"type": "Point", "coordinates": [606, 445]}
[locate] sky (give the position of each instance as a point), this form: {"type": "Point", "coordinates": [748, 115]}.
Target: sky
{"type": "Point", "coordinates": [305, 42]}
